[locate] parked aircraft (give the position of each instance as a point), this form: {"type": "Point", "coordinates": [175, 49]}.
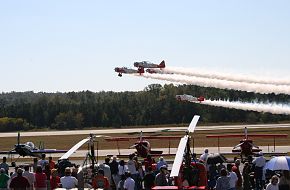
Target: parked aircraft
{"type": "Point", "coordinates": [29, 149]}
{"type": "Point", "coordinates": [189, 98]}
{"type": "Point", "coordinates": [147, 64]}
{"type": "Point", "coordinates": [185, 169]}
{"type": "Point", "coordinates": [142, 145]}
{"type": "Point", "coordinates": [125, 70]}
{"type": "Point", "coordinates": [246, 147]}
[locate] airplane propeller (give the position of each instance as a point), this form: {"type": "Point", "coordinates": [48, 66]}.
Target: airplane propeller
{"type": "Point", "coordinates": [182, 146]}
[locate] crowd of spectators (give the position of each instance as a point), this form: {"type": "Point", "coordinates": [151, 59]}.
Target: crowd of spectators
{"type": "Point", "coordinates": [134, 174]}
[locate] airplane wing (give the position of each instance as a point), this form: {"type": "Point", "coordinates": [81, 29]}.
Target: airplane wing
{"type": "Point", "coordinates": [74, 148]}
{"type": "Point", "coordinates": [144, 137]}
{"type": "Point", "coordinates": [48, 151]}
{"type": "Point", "coordinates": [8, 152]}
{"type": "Point", "coordinates": [249, 135]}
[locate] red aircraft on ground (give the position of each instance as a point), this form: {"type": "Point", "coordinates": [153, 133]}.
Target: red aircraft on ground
{"type": "Point", "coordinates": [189, 98]}
{"type": "Point", "coordinates": [142, 145]}
{"type": "Point", "coordinates": [246, 147]}
{"type": "Point", "coordinates": [125, 70]}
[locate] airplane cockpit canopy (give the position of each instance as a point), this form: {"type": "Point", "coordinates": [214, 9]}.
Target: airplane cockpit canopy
{"type": "Point", "coordinates": [30, 144]}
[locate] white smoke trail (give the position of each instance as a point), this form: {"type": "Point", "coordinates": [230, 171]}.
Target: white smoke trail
{"type": "Point", "coordinates": [259, 107]}
{"type": "Point", "coordinates": [225, 76]}
{"type": "Point", "coordinates": [222, 84]}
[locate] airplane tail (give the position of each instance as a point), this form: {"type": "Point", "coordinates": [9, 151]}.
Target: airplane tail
{"type": "Point", "coordinates": [162, 64]}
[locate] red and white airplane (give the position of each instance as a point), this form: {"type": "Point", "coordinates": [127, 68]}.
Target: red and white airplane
{"type": "Point", "coordinates": [125, 70]}
{"type": "Point", "coordinates": [147, 64]}
{"type": "Point", "coordinates": [189, 98]}
{"type": "Point", "coordinates": [157, 71]}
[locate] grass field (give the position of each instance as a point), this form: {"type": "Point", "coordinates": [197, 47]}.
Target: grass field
{"type": "Point", "coordinates": [200, 140]}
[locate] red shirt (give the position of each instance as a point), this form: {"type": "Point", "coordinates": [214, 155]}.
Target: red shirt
{"type": "Point", "coordinates": [51, 164]}
{"type": "Point", "coordinates": [101, 182]}
{"type": "Point", "coordinates": [40, 180]}
{"type": "Point", "coordinates": [19, 182]}
{"type": "Point", "coordinates": [54, 181]}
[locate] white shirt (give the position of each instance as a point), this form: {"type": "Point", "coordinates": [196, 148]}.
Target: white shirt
{"type": "Point", "coordinates": [203, 157]}
{"type": "Point", "coordinates": [122, 169]}
{"type": "Point", "coordinates": [132, 167]}
{"type": "Point", "coordinates": [259, 161]}
{"type": "Point", "coordinates": [270, 186]}
{"type": "Point", "coordinates": [233, 179]}
{"type": "Point", "coordinates": [129, 184]}
{"type": "Point", "coordinates": [68, 182]}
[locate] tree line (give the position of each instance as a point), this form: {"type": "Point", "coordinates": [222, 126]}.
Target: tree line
{"type": "Point", "coordinates": [156, 104]}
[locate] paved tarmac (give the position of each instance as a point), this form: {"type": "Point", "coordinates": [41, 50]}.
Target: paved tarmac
{"type": "Point", "coordinates": [133, 130]}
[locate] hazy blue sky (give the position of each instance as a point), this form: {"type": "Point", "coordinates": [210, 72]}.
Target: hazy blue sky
{"type": "Point", "coordinates": [66, 45]}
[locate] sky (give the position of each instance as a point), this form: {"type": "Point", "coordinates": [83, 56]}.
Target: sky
{"type": "Point", "coordinates": [70, 45]}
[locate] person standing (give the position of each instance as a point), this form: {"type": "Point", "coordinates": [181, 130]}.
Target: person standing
{"type": "Point", "coordinates": [129, 183]}
{"type": "Point", "coordinates": [40, 179]}
{"type": "Point", "coordinates": [114, 170]}
{"type": "Point", "coordinates": [149, 179]}
{"type": "Point", "coordinates": [54, 179]}
{"type": "Point", "coordinates": [68, 181]}
{"type": "Point", "coordinates": [204, 156]}
{"type": "Point", "coordinates": [4, 164]}
{"type": "Point", "coordinates": [30, 176]}
{"type": "Point", "coordinates": [19, 182]}
{"type": "Point", "coordinates": [259, 163]}
{"type": "Point", "coordinates": [51, 163]}
{"type": "Point", "coordinates": [233, 177]}
{"type": "Point", "coordinates": [4, 178]}
{"type": "Point", "coordinates": [236, 169]}
{"type": "Point", "coordinates": [223, 182]}
{"type": "Point", "coordinates": [161, 178]}
{"type": "Point", "coordinates": [273, 185]}
{"type": "Point", "coordinates": [101, 181]}
{"type": "Point", "coordinates": [42, 162]}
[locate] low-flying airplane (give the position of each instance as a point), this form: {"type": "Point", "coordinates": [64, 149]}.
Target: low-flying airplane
{"type": "Point", "coordinates": [246, 147]}
{"type": "Point", "coordinates": [125, 70]}
{"type": "Point", "coordinates": [189, 98]}
{"type": "Point", "coordinates": [157, 71]}
{"type": "Point", "coordinates": [29, 149]}
{"type": "Point", "coordinates": [147, 64]}
{"type": "Point", "coordinates": [142, 145]}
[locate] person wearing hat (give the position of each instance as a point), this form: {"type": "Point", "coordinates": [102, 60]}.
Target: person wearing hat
{"type": "Point", "coordinates": [19, 182]}
{"type": "Point", "coordinates": [68, 181]}
{"type": "Point", "coordinates": [161, 178]}
{"type": "Point", "coordinates": [3, 179]}
{"type": "Point", "coordinates": [101, 181]}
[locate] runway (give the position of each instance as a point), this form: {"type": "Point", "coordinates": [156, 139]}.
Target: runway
{"type": "Point", "coordinates": [136, 130]}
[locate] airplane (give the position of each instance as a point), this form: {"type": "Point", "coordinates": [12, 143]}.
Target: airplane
{"type": "Point", "coordinates": [142, 146]}
{"type": "Point", "coordinates": [125, 70]}
{"type": "Point", "coordinates": [189, 98]}
{"type": "Point", "coordinates": [147, 64]}
{"type": "Point", "coordinates": [246, 147]}
{"type": "Point", "coordinates": [29, 149]}
{"type": "Point", "coordinates": [157, 71]}
{"type": "Point", "coordinates": [185, 169]}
